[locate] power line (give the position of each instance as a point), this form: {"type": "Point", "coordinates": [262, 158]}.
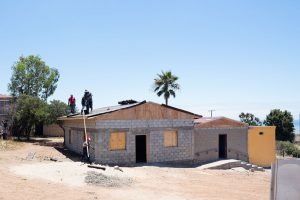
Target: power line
{"type": "Point", "coordinates": [211, 111]}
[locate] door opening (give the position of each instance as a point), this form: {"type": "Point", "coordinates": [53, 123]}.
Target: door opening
{"type": "Point", "coordinates": [140, 148]}
{"type": "Point", "coordinates": [222, 146]}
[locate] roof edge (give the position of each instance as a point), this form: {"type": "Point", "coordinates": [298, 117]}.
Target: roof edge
{"type": "Point", "coordinates": [77, 115]}
{"type": "Point", "coordinates": [199, 124]}
{"type": "Point", "coordinates": [178, 109]}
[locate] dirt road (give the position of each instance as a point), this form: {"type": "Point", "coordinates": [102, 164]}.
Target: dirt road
{"type": "Point", "coordinates": [27, 173]}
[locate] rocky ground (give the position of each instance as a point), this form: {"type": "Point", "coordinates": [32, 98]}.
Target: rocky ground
{"type": "Point", "coordinates": [43, 169]}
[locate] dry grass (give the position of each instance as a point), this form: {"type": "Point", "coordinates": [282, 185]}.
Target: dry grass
{"type": "Point", "coordinates": [9, 145]}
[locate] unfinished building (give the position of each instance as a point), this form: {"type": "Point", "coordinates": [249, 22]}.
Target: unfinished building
{"type": "Point", "coordinates": [154, 133]}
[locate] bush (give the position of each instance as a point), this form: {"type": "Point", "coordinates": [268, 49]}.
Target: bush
{"type": "Point", "coordinates": [296, 153]}
{"type": "Point", "coordinates": [288, 148]}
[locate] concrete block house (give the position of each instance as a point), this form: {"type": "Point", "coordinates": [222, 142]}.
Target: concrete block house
{"type": "Point", "coordinates": [5, 106]}
{"type": "Point", "coordinates": [220, 138]}
{"type": "Point", "coordinates": [153, 133]}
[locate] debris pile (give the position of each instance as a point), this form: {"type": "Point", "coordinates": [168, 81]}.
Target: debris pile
{"type": "Point", "coordinates": [100, 179]}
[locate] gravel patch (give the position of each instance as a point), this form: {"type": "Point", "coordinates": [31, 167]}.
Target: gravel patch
{"type": "Point", "coordinates": [100, 179]}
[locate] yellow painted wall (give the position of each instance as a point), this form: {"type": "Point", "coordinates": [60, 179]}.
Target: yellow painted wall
{"type": "Point", "coordinates": [261, 147]}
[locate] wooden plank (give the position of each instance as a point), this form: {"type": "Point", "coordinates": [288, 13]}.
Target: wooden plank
{"type": "Point", "coordinates": [147, 111]}
{"type": "Point", "coordinates": [117, 141]}
{"type": "Point", "coordinates": [96, 167]}
{"type": "Point", "coordinates": [170, 138]}
{"type": "Point", "coordinates": [79, 121]}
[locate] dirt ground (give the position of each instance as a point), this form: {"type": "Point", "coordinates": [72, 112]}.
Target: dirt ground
{"type": "Point", "coordinates": [27, 172]}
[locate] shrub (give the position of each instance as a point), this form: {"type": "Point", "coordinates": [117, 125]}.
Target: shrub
{"type": "Point", "coordinates": [288, 148]}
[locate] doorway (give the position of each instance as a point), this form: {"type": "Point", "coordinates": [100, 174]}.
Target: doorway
{"type": "Point", "coordinates": [140, 148]}
{"type": "Point", "coordinates": [222, 146]}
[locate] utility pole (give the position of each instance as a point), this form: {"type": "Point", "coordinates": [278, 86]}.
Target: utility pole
{"type": "Point", "coordinates": [211, 111]}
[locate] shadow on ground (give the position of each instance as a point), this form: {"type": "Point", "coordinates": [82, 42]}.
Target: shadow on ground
{"type": "Point", "coordinates": [40, 141]}
{"type": "Point", "coordinates": [69, 154]}
{"type": "Point", "coordinates": [56, 143]}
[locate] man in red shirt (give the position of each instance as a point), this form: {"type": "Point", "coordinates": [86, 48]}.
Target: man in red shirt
{"type": "Point", "coordinates": [72, 103]}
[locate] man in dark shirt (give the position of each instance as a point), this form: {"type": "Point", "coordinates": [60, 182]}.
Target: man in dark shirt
{"type": "Point", "coordinates": [87, 102]}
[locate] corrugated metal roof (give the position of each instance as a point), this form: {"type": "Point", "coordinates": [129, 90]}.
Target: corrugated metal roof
{"type": "Point", "coordinates": [104, 110]}
{"type": "Point", "coordinates": [100, 111]}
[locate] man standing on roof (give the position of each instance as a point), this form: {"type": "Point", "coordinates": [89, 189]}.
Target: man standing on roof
{"type": "Point", "coordinates": [90, 101]}
{"type": "Point", "coordinates": [87, 102]}
{"type": "Point", "coordinates": [72, 103]}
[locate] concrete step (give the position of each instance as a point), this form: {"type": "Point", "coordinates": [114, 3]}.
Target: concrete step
{"type": "Point", "coordinates": [260, 169]}
{"type": "Point", "coordinates": [231, 163]}
{"type": "Point", "coordinates": [222, 164]}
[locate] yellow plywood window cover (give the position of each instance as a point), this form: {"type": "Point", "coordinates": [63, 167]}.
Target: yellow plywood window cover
{"type": "Point", "coordinates": [117, 141]}
{"type": "Point", "coordinates": [170, 138]}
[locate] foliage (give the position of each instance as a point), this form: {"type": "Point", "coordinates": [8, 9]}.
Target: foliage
{"type": "Point", "coordinates": [29, 111]}
{"type": "Point", "coordinates": [166, 84]}
{"type": "Point", "coordinates": [288, 148]}
{"type": "Point", "coordinates": [283, 120]}
{"type": "Point", "coordinates": [31, 76]}
{"type": "Point", "coordinates": [56, 109]}
{"type": "Point", "coordinates": [250, 119]}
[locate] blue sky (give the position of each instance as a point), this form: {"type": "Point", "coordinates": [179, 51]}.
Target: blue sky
{"type": "Point", "coordinates": [231, 56]}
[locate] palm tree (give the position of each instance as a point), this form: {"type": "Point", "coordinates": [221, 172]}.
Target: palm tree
{"type": "Point", "coordinates": [166, 84]}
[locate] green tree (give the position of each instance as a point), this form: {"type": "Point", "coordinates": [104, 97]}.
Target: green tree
{"type": "Point", "coordinates": [29, 111]}
{"type": "Point", "coordinates": [283, 120]}
{"type": "Point", "coordinates": [31, 76]}
{"type": "Point", "coordinates": [250, 119]}
{"type": "Point", "coordinates": [166, 84]}
{"type": "Point", "coordinates": [57, 109]}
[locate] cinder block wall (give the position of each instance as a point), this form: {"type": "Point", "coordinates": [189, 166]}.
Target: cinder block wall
{"type": "Point", "coordinates": [206, 143]}
{"type": "Point", "coordinates": [198, 144]}
{"type": "Point", "coordinates": [237, 144]}
{"type": "Point", "coordinates": [104, 155]}
{"type": "Point", "coordinates": [154, 130]}
{"type": "Point", "coordinates": [160, 153]}
{"type": "Point", "coordinates": [76, 141]}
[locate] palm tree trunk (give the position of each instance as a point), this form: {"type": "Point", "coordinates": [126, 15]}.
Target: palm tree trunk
{"type": "Point", "coordinates": [166, 101]}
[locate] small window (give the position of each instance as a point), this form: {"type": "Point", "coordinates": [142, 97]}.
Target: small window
{"type": "Point", "coordinates": [117, 141]}
{"type": "Point", "coordinates": [261, 133]}
{"type": "Point", "coordinates": [70, 136]}
{"type": "Point", "coordinates": [170, 138]}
